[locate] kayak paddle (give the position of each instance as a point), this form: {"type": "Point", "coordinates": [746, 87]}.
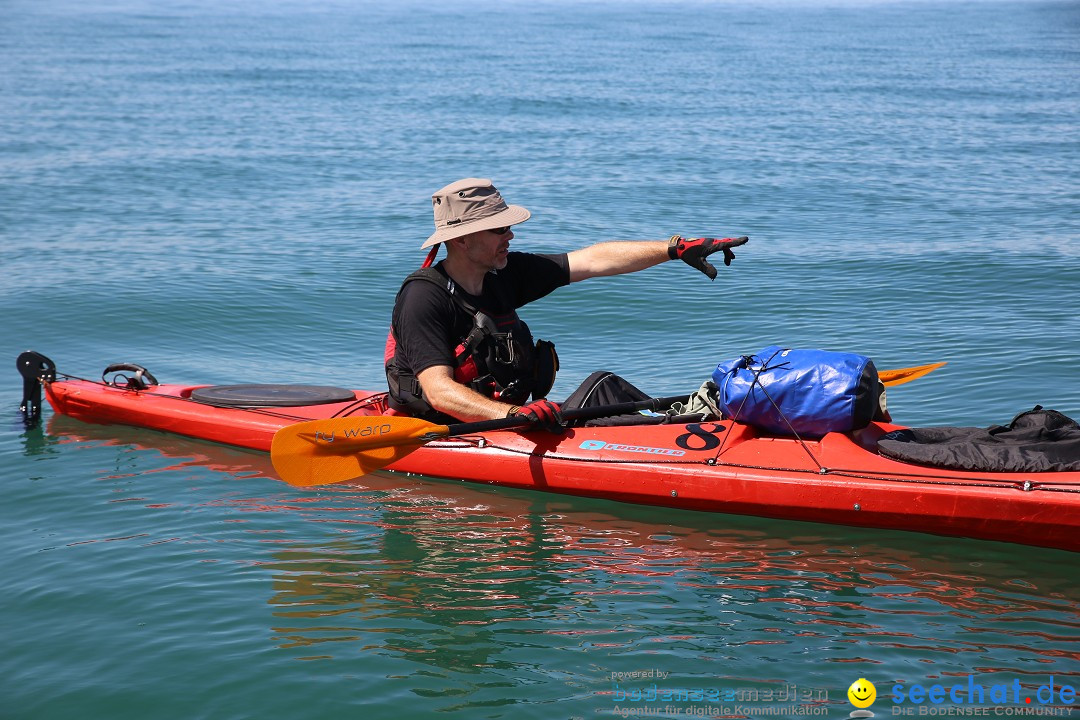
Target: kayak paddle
{"type": "Point", "coordinates": [321, 452]}
{"type": "Point", "coordinates": [903, 375]}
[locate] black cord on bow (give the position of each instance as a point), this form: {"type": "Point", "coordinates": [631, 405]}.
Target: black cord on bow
{"type": "Point", "coordinates": [748, 360]}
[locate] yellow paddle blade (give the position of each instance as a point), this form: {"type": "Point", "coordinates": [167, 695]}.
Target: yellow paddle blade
{"type": "Point", "coordinates": [903, 375]}
{"type": "Point", "coordinates": [320, 452]}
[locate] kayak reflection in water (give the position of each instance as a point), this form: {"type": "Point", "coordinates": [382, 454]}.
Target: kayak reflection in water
{"type": "Point", "coordinates": [457, 348]}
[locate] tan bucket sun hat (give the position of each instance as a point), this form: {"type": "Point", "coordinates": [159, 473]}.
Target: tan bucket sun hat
{"type": "Point", "coordinates": [468, 206]}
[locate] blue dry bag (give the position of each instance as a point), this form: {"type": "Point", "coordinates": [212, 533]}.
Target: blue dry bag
{"type": "Point", "coordinates": [810, 392]}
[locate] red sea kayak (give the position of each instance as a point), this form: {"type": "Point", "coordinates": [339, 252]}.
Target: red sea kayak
{"type": "Point", "coordinates": [721, 466]}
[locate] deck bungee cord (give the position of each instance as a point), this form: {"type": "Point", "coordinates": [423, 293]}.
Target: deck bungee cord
{"type": "Point", "coordinates": [756, 382]}
{"type": "Point", "coordinates": [484, 442]}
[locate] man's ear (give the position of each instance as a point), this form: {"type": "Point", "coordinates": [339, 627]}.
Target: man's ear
{"type": "Point", "coordinates": [459, 242]}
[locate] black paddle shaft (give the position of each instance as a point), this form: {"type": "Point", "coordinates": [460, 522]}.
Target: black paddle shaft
{"type": "Point", "coordinates": [586, 413]}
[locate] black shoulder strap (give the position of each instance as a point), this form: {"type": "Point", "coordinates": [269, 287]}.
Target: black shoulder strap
{"type": "Point", "coordinates": [437, 278]}
{"type": "Point", "coordinates": [482, 322]}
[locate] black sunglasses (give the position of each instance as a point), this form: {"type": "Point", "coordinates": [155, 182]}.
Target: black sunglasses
{"type": "Point", "coordinates": [500, 231]}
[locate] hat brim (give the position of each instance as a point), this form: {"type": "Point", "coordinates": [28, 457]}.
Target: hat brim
{"type": "Point", "coordinates": [512, 215]}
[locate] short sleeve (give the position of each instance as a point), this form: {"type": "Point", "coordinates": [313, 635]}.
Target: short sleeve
{"type": "Point", "coordinates": [423, 323]}
{"type": "Point", "coordinates": [528, 277]}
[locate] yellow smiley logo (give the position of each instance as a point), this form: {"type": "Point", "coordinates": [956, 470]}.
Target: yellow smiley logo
{"type": "Point", "coordinates": [862, 693]}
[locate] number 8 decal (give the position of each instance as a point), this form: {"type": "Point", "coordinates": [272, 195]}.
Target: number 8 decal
{"type": "Point", "coordinates": [706, 438]}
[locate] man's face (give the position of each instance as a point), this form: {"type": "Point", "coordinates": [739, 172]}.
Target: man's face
{"type": "Point", "coordinates": [488, 248]}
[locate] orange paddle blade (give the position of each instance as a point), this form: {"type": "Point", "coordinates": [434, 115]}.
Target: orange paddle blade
{"type": "Point", "coordinates": [903, 375]}
{"type": "Point", "coordinates": [320, 452]}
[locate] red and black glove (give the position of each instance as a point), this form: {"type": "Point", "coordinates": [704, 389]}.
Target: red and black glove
{"type": "Point", "coordinates": [693, 251]}
{"type": "Point", "coordinates": [542, 413]}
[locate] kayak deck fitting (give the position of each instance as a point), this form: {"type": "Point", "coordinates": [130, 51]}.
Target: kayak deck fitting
{"type": "Point", "coordinates": [717, 466]}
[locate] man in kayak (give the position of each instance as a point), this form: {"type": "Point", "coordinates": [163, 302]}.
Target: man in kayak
{"type": "Point", "coordinates": [457, 348]}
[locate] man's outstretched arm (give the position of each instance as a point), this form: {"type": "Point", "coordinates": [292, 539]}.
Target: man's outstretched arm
{"type": "Point", "coordinates": [626, 256]}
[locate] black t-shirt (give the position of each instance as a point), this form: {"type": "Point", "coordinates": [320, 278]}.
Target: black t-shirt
{"type": "Point", "coordinates": [428, 325]}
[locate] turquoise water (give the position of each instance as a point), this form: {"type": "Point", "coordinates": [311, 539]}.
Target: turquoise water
{"type": "Point", "coordinates": [232, 194]}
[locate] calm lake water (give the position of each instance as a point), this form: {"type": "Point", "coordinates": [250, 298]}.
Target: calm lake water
{"type": "Point", "coordinates": [233, 194]}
